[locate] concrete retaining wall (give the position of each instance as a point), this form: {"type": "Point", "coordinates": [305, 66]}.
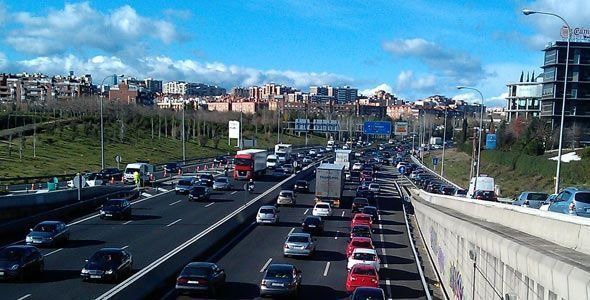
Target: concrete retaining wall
{"type": "Point", "coordinates": [567, 231]}
{"type": "Point", "coordinates": [505, 268]}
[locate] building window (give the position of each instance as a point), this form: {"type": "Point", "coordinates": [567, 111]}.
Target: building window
{"type": "Point", "coordinates": [549, 74]}
{"type": "Point", "coordinates": [548, 90]}
{"type": "Point", "coordinates": [551, 57]}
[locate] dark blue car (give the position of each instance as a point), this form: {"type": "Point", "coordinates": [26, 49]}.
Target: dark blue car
{"type": "Point", "coordinates": [48, 233]}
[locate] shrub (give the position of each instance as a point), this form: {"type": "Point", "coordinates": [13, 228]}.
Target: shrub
{"type": "Point", "coordinates": [585, 153]}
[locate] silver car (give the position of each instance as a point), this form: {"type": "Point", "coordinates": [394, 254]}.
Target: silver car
{"type": "Point", "coordinates": [286, 197]}
{"type": "Point", "coordinates": [530, 199]}
{"type": "Point", "coordinates": [267, 214]}
{"type": "Point", "coordinates": [222, 184]}
{"type": "Point", "coordinates": [572, 201]}
{"type": "Point", "coordinates": [299, 244]}
{"type": "Point", "coordinates": [280, 280]}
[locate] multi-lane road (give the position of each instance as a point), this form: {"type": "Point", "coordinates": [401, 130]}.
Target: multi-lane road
{"type": "Point", "coordinates": [324, 274]}
{"type": "Point", "coordinates": [162, 222]}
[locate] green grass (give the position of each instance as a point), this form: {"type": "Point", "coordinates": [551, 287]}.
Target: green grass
{"type": "Point", "coordinates": [514, 172]}
{"type": "Point", "coordinates": [66, 151]}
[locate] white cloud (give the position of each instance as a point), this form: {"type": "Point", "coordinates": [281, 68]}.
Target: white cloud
{"type": "Point", "coordinates": [79, 26]}
{"type": "Point", "coordinates": [455, 66]}
{"type": "Point", "coordinates": [407, 81]}
{"type": "Point", "coordinates": [382, 87]}
{"type": "Point", "coordinates": [166, 68]}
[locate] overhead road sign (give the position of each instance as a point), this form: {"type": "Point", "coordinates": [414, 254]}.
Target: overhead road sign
{"type": "Point", "coordinates": [377, 127]}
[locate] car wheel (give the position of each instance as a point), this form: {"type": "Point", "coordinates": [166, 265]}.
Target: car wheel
{"type": "Point", "coordinates": [41, 269]}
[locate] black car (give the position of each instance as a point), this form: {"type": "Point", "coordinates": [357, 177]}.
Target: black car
{"type": "Point", "coordinates": [301, 186]}
{"type": "Point", "coordinates": [200, 277]}
{"type": "Point", "coordinates": [116, 209]}
{"type": "Point", "coordinates": [361, 231]}
{"type": "Point", "coordinates": [313, 225]}
{"type": "Point", "coordinates": [199, 193]}
{"type": "Point", "coordinates": [206, 179]}
{"type": "Point", "coordinates": [48, 233]}
{"type": "Point", "coordinates": [364, 192]}
{"type": "Point", "coordinates": [108, 264]}
{"type": "Point", "coordinates": [20, 261]}
{"type": "Point", "coordinates": [485, 195]}
{"type": "Point", "coordinates": [448, 190]}
{"type": "Point", "coordinates": [172, 168]}
{"type": "Point", "coordinates": [368, 293]}
{"type": "Point", "coordinates": [358, 203]}
{"type": "Point", "coordinates": [110, 173]}
{"type": "Point", "coordinates": [220, 160]}
{"type": "Point", "coordinates": [372, 211]}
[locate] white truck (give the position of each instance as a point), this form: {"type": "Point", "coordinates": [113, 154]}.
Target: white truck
{"type": "Point", "coordinates": [329, 184]}
{"type": "Point", "coordinates": [283, 152]}
{"type": "Point", "coordinates": [481, 183]}
{"type": "Point", "coordinates": [343, 157]}
{"type": "Point", "coordinates": [330, 145]}
{"type": "Point", "coordinates": [145, 171]}
{"type": "Point", "coordinates": [436, 140]}
{"type": "Point", "coordinates": [271, 161]}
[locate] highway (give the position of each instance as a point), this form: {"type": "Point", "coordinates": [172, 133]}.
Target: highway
{"type": "Point", "coordinates": [324, 275]}
{"type": "Point", "coordinates": [159, 224]}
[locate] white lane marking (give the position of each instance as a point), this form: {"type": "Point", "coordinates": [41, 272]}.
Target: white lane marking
{"type": "Point", "coordinates": [130, 280]}
{"type": "Point", "coordinates": [326, 269]}
{"type": "Point", "coordinates": [146, 194]}
{"type": "Point", "coordinates": [266, 265]}
{"type": "Point", "coordinates": [127, 222]}
{"type": "Point", "coordinates": [305, 213]}
{"type": "Point", "coordinates": [173, 223]}
{"type": "Point", "coordinates": [233, 192]}
{"type": "Point", "coordinates": [53, 252]}
{"type": "Point", "coordinates": [175, 202]}
{"type": "Point", "coordinates": [388, 284]}
{"type": "Point", "coordinates": [342, 213]}
{"type": "Point", "coordinates": [125, 247]}
{"type": "Point", "coordinates": [292, 229]}
{"type": "Point", "coordinates": [209, 204]}
{"type": "Point", "coordinates": [24, 297]}
{"type": "Point", "coordinates": [336, 237]}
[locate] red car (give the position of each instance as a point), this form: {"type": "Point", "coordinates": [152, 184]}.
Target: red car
{"type": "Point", "coordinates": [361, 219]}
{"type": "Point", "coordinates": [358, 242]}
{"type": "Point", "coordinates": [361, 276]}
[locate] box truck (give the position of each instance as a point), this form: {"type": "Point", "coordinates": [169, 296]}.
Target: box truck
{"type": "Point", "coordinates": [329, 183]}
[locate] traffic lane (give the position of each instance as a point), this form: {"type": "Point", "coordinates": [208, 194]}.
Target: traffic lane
{"type": "Point", "coordinates": [324, 275]}
{"type": "Point", "coordinates": [401, 275]}
{"type": "Point", "coordinates": [64, 266]}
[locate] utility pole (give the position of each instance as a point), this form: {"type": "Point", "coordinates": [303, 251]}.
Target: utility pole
{"type": "Point", "coordinates": [442, 165]}
{"type": "Point", "coordinates": [278, 123]}
{"type": "Point", "coordinates": [240, 140]}
{"type": "Point", "coordinates": [183, 135]}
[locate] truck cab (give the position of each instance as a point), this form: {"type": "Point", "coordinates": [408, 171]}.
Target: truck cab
{"type": "Point", "coordinates": [283, 152]}
{"type": "Point", "coordinates": [272, 161]}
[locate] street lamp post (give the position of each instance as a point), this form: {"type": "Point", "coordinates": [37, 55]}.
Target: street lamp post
{"type": "Point", "coordinates": [527, 12]}
{"type": "Point", "coordinates": [183, 134]}
{"type": "Point", "coordinates": [442, 165]}
{"type": "Point", "coordinates": [101, 119]}
{"type": "Point", "coordinates": [480, 131]}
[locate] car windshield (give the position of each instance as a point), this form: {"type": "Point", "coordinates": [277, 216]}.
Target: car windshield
{"type": "Point", "coordinates": [369, 210]}
{"type": "Point", "coordinates": [279, 273]}
{"type": "Point", "coordinates": [202, 272]}
{"type": "Point", "coordinates": [221, 180]}
{"type": "Point", "coordinates": [583, 197]}
{"type": "Point", "coordinates": [364, 271]}
{"type": "Point", "coordinates": [206, 177]}
{"type": "Point", "coordinates": [286, 194]}
{"type": "Point", "coordinates": [242, 162]}
{"type": "Point", "coordinates": [537, 196]}
{"type": "Point", "coordinates": [271, 159]}
{"type": "Point", "coordinates": [131, 170]}
{"type": "Point", "coordinates": [170, 165]}
{"type": "Point", "coordinates": [184, 182]}
{"type": "Point", "coordinates": [368, 295]}
{"type": "Point", "coordinates": [45, 228]}
{"type": "Point", "coordinates": [364, 256]}
{"type": "Point", "coordinates": [314, 221]}
{"type": "Point", "coordinates": [114, 203]}
{"type": "Point", "coordinates": [103, 256]}
{"type": "Point", "coordinates": [297, 239]}
{"type": "Point", "coordinates": [324, 206]}
{"type": "Point", "coordinates": [198, 190]}
{"type": "Point", "coordinates": [267, 211]}
{"type": "Point", "coordinates": [11, 254]}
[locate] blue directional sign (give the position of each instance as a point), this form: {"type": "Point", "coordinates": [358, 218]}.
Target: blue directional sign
{"type": "Point", "coordinates": [491, 141]}
{"type": "Point", "coordinates": [377, 127]}
{"type": "Point", "coordinates": [435, 161]}
{"type": "Point", "coordinates": [402, 170]}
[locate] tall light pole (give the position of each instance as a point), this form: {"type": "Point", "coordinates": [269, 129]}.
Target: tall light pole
{"type": "Point", "coordinates": [101, 119]}
{"type": "Point", "coordinates": [183, 134]}
{"type": "Point", "coordinates": [278, 123]}
{"type": "Point", "coordinates": [527, 12]}
{"type": "Point", "coordinates": [442, 165]}
{"type": "Point", "coordinates": [480, 130]}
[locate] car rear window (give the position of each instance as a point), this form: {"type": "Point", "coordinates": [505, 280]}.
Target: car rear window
{"type": "Point", "coordinates": [363, 218]}
{"type": "Point", "coordinates": [326, 206]}
{"type": "Point", "coordinates": [297, 239]}
{"type": "Point", "coordinates": [537, 196]}
{"type": "Point", "coordinates": [184, 182]}
{"type": "Point", "coordinates": [45, 227]}
{"type": "Point", "coordinates": [583, 197]}
{"type": "Point", "coordinates": [281, 273]}
{"type": "Point", "coordinates": [267, 211]}
{"type": "Point", "coordinates": [364, 271]}
{"type": "Point", "coordinates": [286, 194]}
{"type": "Point", "coordinates": [364, 256]}
{"type": "Point", "coordinates": [201, 272]}
{"type": "Point", "coordinates": [312, 221]}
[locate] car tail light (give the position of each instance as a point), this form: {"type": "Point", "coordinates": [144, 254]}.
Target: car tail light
{"type": "Point", "coordinates": [373, 280]}
{"type": "Point", "coordinates": [572, 207]}
{"type": "Point", "coordinates": [181, 280]}
{"type": "Point", "coordinates": [352, 278]}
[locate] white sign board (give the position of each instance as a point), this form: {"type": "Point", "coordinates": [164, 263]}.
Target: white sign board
{"type": "Point", "coordinates": [401, 128]}
{"type": "Point", "coordinates": [234, 129]}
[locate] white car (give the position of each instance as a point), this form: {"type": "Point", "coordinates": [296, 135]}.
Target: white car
{"type": "Point", "coordinates": [322, 209]}
{"type": "Point", "coordinates": [267, 214]}
{"type": "Point", "coordinates": [358, 154]}
{"type": "Point", "coordinates": [312, 152]}
{"type": "Point", "coordinates": [357, 166]}
{"type": "Point", "coordinates": [363, 256]}
{"type": "Point", "coordinates": [374, 187]}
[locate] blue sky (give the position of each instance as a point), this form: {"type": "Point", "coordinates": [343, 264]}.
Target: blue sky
{"type": "Point", "coordinates": [412, 48]}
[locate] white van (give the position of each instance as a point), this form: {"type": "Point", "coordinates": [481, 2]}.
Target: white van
{"type": "Point", "coordinates": [484, 183]}
{"type": "Point", "coordinates": [271, 161]}
{"type": "Point", "coordinates": [144, 169]}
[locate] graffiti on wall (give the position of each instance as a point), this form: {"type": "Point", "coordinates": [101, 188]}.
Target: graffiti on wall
{"type": "Point", "coordinates": [456, 282]}
{"type": "Point", "coordinates": [438, 251]}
